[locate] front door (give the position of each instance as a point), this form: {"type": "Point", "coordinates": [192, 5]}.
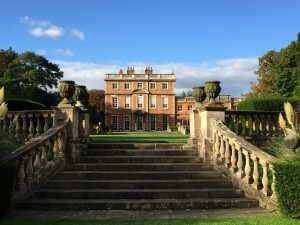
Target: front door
{"type": "Point", "coordinates": [139, 123]}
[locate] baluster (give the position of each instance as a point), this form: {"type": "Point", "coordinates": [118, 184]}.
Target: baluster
{"type": "Point", "coordinates": [21, 186]}
{"type": "Point", "coordinates": [253, 117]}
{"type": "Point", "coordinates": [55, 149]}
{"type": "Point", "coordinates": [37, 164]}
{"type": "Point", "coordinates": [38, 125]}
{"type": "Point", "coordinates": [29, 169]}
{"type": "Point", "coordinates": [217, 147]}
{"type": "Point", "coordinates": [61, 145]}
{"type": "Point", "coordinates": [231, 122]}
{"type": "Point", "coordinates": [274, 196]}
{"type": "Point", "coordinates": [233, 159]}
{"type": "Point", "coordinates": [5, 125]}
{"type": "Point", "coordinates": [24, 126]}
{"type": "Point", "coordinates": [268, 125]}
{"type": "Point", "coordinates": [244, 124]}
{"type": "Point", "coordinates": [256, 183]}
{"type": "Point", "coordinates": [44, 158]}
{"type": "Point", "coordinates": [265, 179]}
{"type": "Point", "coordinates": [11, 125]}
{"type": "Point", "coordinates": [31, 126]}
{"type": "Point", "coordinates": [227, 153]}
{"type": "Point", "coordinates": [222, 148]}
{"type": "Point", "coordinates": [46, 125]}
{"type": "Point", "coordinates": [250, 125]}
{"type": "Point", "coordinates": [261, 128]}
{"type": "Point", "coordinates": [18, 127]}
{"type": "Point", "coordinates": [247, 177]}
{"type": "Point", "coordinates": [240, 125]}
{"type": "Point", "coordinates": [240, 164]}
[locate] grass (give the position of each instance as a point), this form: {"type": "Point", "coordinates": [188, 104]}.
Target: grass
{"type": "Point", "coordinates": [261, 220]}
{"type": "Point", "coordinates": [155, 137]}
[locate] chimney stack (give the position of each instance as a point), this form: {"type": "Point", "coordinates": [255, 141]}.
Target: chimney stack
{"type": "Point", "coordinates": [130, 70]}
{"type": "Point", "coordinates": [121, 71]}
{"type": "Point", "coordinates": [148, 70]}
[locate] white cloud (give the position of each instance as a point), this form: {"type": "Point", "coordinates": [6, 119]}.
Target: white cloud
{"type": "Point", "coordinates": [48, 30]}
{"type": "Point", "coordinates": [64, 52]}
{"type": "Point", "coordinates": [77, 33]}
{"type": "Point", "coordinates": [235, 74]}
{"type": "Point", "coordinates": [41, 52]}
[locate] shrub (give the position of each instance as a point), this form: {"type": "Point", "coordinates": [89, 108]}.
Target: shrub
{"type": "Point", "coordinates": [267, 103]}
{"type": "Point", "coordinates": [20, 104]}
{"type": "Point", "coordinates": [287, 186]}
{"type": "Point", "coordinates": [7, 174]}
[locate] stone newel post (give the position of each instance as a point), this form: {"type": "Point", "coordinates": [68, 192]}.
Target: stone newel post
{"type": "Point", "coordinates": [78, 118]}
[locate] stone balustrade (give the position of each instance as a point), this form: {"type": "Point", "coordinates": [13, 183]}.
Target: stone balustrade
{"type": "Point", "coordinates": [253, 123]}
{"type": "Point", "coordinates": [249, 167]}
{"type": "Point", "coordinates": [27, 124]}
{"type": "Point", "coordinates": [38, 159]}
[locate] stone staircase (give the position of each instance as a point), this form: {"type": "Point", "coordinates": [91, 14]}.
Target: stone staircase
{"type": "Point", "coordinates": [138, 177]}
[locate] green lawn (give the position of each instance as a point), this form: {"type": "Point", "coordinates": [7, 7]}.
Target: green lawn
{"type": "Point", "coordinates": [149, 137]}
{"type": "Point", "coordinates": [258, 220]}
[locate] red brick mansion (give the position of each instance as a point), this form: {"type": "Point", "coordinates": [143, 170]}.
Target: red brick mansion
{"type": "Point", "coordinates": [144, 102]}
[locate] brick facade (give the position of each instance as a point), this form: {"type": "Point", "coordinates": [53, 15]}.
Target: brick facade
{"type": "Point", "coordinates": [139, 102]}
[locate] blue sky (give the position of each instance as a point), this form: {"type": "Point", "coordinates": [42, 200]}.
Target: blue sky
{"type": "Point", "coordinates": [199, 39]}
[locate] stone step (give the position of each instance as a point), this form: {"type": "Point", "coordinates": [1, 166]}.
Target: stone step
{"type": "Point", "coordinates": [132, 152]}
{"type": "Point", "coordinates": [140, 146]}
{"type": "Point", "coordinates": [139, 194]}
{"type": "Point", "coordinates": [138, 184]}
{"type": "Point", "coordinates": [137, 167]}
{"type": "Point", "coordinates": [139, 159]}
{"type": "Point", "coordinates": [136, 204]}
{"type": "Point", "coordinates": [139, 175]}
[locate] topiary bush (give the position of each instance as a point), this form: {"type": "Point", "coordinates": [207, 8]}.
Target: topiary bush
{"type": "Point", "coordinates": [20, 104]}
{"type": "Point", "coordinates": [267, 103]}
{"type": "Point", "coordinates": [287, 186]}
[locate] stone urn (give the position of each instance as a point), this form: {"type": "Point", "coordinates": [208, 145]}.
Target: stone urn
{"type": "Point", "coordinates": [199, 94]}
{"type": "Point", "coordinates": [212, 90]}
{"type": "Point", "coordinates": [80, 92]}
{"type": "Point", "coordinates": [291, 142]}
{"type": "Point", "coordinates": [66, 90]}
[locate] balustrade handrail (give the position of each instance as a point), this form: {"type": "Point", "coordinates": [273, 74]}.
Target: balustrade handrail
{"type": "Point", "coordinates": [249, 166]}
{"type": "Point", "coordinates": [35, 142]}
{"type": "Point", "coordinates": [224, 130]}
{"type": "Point", "coordinates": [48, 111]}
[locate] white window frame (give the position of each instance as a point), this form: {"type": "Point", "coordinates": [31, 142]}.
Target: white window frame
{"type": "Point", "coordinates": [127, 88]}
{"type": "Point", "coordinates": [190, 107]}
{"type": "Point", "coordinates": [139, 85]}
{"type": "Point", "coordinates": [127, 102]}
{"type": "Point", "coordinates": [179, 108]}
{"type": "Point", "coordinates": [127, 119]}
{"type": "Point", "coordinates": [114, 102]}
{"type": "Point", "coordinates": [164, 86]}
{"type": "Point", "coordinates": [154, 84]}
{"type": "Point", "coordinates": [152, 102]}
{"type": "Point", "coordinates": [140, 102]}
{"type": "Point", "coordinates": [165, 102]}
{"type": "Point", "coordinates": [115, 86]}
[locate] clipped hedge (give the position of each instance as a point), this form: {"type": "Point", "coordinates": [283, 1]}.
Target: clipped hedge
{"type": "Point", "coordinates": [20, 104]}
{"type": "Point", "coordinates": [288, 186]}
{"type": "Point", "coordinates": [7, 174]}
{"type": "Point", "coordinates": [267, 103]}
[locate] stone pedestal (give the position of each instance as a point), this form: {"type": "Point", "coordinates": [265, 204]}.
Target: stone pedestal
{"type": "Point", "coordinates": [195, 125]}
{"type": "Point", "coordinates": [205, 140]}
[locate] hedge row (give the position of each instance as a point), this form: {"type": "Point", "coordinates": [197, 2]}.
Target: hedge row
{"type": "Point", "coordinates": [267, 103]}
{"type": "Point", "coordinates": [20, 104]}
{"type": "Point", "coordinates": [288, 186]}
{"type": "Point", "coordinates": [7, 174]}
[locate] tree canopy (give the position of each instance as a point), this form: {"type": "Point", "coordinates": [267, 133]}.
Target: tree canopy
{"type": "Point", "coordinates": [278, 72]}
{"type": "Point", "coordinates": [97, 103]}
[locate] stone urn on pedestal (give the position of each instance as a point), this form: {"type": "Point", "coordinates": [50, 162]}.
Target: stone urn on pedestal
{"type": "Point", "coordinates": [212, 90]}
{"type": "Point", "coordinates": [80, 92]}
{"type": "Point", "coordinates": [66, 90]}
{"type": "Point", "coordinates": [199, 95]}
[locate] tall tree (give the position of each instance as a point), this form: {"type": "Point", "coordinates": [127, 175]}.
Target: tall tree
{"type": "Point", "coordinates": [31, 70]}
{"type": "Point", "coordinates": [6, 57]}
{"type": "Point", "coordinates": [288, 69]}
{"type": "Point", "coordinates": [266, 75]}
{"type": "Point", "coordinates": [97, 103]}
